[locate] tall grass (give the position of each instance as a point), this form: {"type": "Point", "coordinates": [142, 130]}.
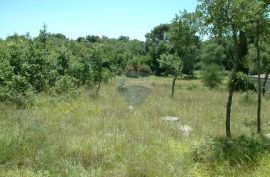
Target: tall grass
{"type": "Point", "coordinates": [83, 135]}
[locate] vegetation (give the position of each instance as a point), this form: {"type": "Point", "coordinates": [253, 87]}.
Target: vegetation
{"type": "Point", "coordinates": [81, 135]}
{"type": "Point", "coordinates": [212, 76]}
{"type": "Point", "coordinates": [63, 115]}
{"type": "Point", "coordinates": [235, 19]}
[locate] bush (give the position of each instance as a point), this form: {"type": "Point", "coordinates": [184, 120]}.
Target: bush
{"type": "Point", "coordinates": [64, 84]}
{"type": "Point", "coordinates": [137, 70]}
{"type": "Point", "coordinates": [243, 82]}
{"type": "Point", "coordinates": [241, 151]}
{"type": "Point", "coordinates": [17, 91]}
{"type": "Point", "coordinates": [212, 76]}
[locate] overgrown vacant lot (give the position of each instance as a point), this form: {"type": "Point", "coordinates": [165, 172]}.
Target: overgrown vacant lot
{"type": "Point", "coordinates": [84, 135]}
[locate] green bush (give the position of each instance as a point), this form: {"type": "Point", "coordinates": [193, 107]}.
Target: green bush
{"type": "Point", "coordinates": [212, 76]}
{"type": "Point", "coordinates": [242, 150]}
{"type": "Point", "coordinates": [137, 70]}
{"type": "Point", "coordinates": [64, 84]}
{"type": "Point", "coordinates": [17, 91]}
{"type": "Point", "coordinates": [243, 82]}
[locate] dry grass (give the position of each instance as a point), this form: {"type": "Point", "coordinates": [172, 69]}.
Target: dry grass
{"type": "Point", "coordinates": [88, 136]}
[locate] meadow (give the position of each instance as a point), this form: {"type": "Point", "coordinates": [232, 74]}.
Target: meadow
{"type": "Point", "coordinates": [80, 134]}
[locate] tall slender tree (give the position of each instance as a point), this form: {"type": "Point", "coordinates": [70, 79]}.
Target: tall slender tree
{"type": "Point", "coordinates": [182, 35]}
{"type": "Point", "coordinates": [260, 19]}
{"type": "Point", "coordinates": [229, 18]}
{"type": "Point", "coordinates": [184, 39]}
{"type": "Point", "coordinates": [265, 64]}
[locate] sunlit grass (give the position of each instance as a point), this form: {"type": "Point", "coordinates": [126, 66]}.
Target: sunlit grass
{"type": "Point", "coordinates": [84, 135]}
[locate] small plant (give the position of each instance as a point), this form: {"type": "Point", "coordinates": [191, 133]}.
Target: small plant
{"type": "Point", "coordinates": [212, 76]}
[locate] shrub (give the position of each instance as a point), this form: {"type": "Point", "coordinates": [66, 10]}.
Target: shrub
{"type": "Point", "coordinates": [242, 150]}
{"type": "Point", "coordinates": [64, 84]}
{"type": "Point", "coordinates": [17, 91]}
{"type": "Point", "coordinates": [137, 70]}
{"type": "Point", "coordinates": [6, 72]}
{"type": "Point", "coordinates": [243, 82]}
{"type": "Point", "coordinates": [212, 76]}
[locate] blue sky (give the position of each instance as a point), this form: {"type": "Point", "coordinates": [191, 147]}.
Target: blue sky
{"type": "Point", "coordinates": [74, 18]}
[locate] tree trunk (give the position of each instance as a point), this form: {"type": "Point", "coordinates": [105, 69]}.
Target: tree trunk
{"type": "Point", "coordinates": [228, 113]}
{"type": "Point", "coordinates": [231, 87]}
{"type": "Point", "coordinates": [173, 85]}
{"type": "Point", "coordinates": [259, 105]}
{"type": "Point", "coordinates": [99, 84]}
{"type": "Point", "coordinates": [243, 51]}
{"type": "Point", "coordinates": [259, 79]}
{"type": "Point", "coordinates": [264, 83]}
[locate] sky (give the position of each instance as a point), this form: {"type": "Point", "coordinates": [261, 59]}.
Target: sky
{"type": "Point", "coordinates": [74, 18]}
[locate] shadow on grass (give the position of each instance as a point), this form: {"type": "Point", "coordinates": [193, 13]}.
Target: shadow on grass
{"type": "Point", "coordinates": [239, 151]}
{"type": "Point", "coordinates": [184, 77]}
{"type": "Point", "coordinates": [135, 95]}
{"type": "Point", "coordinates": [189, 77]}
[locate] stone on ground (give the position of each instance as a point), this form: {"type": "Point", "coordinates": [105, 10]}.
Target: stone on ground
{"type": "Point", "coordinates": [131, 108]}
{"type": "Point", "coordinates": [186, 130]}
{"type": "Point", "coordinates": [170, 119]}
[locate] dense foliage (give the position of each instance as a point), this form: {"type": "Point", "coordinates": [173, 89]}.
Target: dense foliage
{"type": "Point", "coordinates": [56, 64]}
{"type": "Point", "coordinates": [202, 40]}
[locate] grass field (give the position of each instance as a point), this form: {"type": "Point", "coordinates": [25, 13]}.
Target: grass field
{"type": "Point", "coordinates": [84, 135]}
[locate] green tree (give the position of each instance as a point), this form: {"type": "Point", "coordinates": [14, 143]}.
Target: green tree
{"type": "Point", "coordinates": [265, 64]}
{"type": "Point", "coordinates": [260, 29]}
{"type": "Point", "coordinates": [92, 38]}
{"type": "Point", "coordinates": [15, 84]}
{"type": "Point", "coordinates": [157, 44]}
{"type": "Point", "coordinates": [184, 40]}
{"type": "Point", "coordinates": [173, 65]}
{"type": "Point", "coordinates": [101, 66]}
{"type": "Point", "coordinates": [229, 18]}
{"type": "Point", "coordinates": [212, 53]}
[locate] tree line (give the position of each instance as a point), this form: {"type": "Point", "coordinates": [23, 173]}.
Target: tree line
{"type": "Point", "coordinates": [54, 63]}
